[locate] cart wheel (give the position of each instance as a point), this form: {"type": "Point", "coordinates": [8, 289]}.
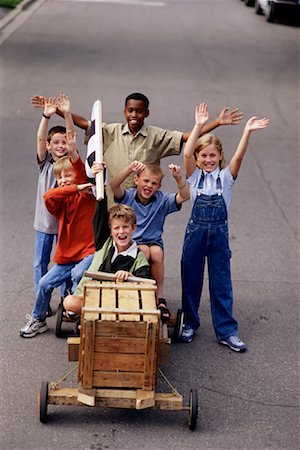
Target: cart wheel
{"type": "Point", "coordinates": [43, 401]}
{"type": "Point", "coordinates": [59, 319]}
{"type": "Point", "coordinates": [178, 325]}
{"type": "Point", "coordinates": [193, 406]}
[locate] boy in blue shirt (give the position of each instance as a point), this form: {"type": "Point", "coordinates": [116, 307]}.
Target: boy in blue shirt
{"type": "Point", "coordinates": [151, 207]}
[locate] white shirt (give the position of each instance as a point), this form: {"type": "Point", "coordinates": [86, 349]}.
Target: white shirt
{"type": "Point", "coordinates": [131, 251]}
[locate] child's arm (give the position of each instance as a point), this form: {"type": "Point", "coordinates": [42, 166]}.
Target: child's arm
{"type": "Point", "coordinates": [63, 104]}
{"type": "Point", "coordinates": [184, 191]}
{"type": "Point", "coordinates": [226, 117]}
{"type": "Point", "coordinates": [201, 117]}
{"type": "Point", "coordinates": [38, 101]}
{"type": "Point", "coordinates": [49, 109]}
{"type": "Point", "coordinates": [253, 124]}
{"type": "Point", "coordinates": [121, 176]}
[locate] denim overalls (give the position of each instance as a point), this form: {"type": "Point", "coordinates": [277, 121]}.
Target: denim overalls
{"type": "Point", "coordinates": [207, 236]}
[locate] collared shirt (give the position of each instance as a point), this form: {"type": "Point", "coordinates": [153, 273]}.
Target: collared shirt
{"type": "Point", "coordinates": [150, 218]}
{"type": "Point", "coordinates": [149, 145]}
{"type": "Point", "coordinates": [210, 183]}
{"type": "Point", "coordinates": [131, 251]}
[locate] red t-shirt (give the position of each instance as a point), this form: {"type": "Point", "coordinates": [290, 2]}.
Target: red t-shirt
{"type": "Point", "coordinates": [74, 211]}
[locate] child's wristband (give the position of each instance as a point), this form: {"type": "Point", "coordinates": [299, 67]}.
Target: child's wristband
{"type": "Point", "coordinates": [46, 117]}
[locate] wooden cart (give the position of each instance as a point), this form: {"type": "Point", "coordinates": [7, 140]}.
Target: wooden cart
{"type": "Point", "coordinates": [120, 345]}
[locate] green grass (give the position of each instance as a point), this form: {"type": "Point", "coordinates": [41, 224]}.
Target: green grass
{"type": "Point", "coordinates": [10, 3]}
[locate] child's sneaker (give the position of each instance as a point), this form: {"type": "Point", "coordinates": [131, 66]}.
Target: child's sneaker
{"type": "Point", "coordinates": [234, 343]}
{"type": "Point", "coordinates": [187, 334]}
{"type": "Point", "coordinates": [33, 327]}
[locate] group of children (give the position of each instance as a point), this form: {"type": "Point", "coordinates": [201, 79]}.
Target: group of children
{"type": "Point", "coordinates": [133, 213]}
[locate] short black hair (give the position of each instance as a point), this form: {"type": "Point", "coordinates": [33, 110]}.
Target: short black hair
{"type": "Point", "coordinates": [138, 96]}
{"type": "Point", "coordinates": [57, 129]}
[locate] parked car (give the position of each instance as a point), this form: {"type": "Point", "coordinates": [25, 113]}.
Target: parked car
{"type": "Point", "coordinates": [275, 9]}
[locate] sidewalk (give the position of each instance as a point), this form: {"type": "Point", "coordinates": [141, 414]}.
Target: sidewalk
{"type": "Point", "coordinates": [7, 15]}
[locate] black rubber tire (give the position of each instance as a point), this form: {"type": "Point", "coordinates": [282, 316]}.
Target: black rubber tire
{"type": "Point", "coordinates": [178, 326]}
{"type": "Point", "coordinates": [257, 8]}
{"type": "Point", "coordinates": [43, 401]}
{"type": "Point", "coordinates": [59, 320]}
{"type": "Point", "coordinates": [249, 2]}
{"type": "Point", "coordinates": [193, 412]}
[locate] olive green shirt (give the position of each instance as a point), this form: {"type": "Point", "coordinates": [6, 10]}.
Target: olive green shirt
{"type": "Point", "coordinates": [149, 145]}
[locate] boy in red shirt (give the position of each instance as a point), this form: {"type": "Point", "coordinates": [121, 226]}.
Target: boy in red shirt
{"type": "Point", "coordinates": [73, 204]}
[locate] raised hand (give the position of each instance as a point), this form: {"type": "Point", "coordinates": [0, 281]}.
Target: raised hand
{"type": "Point", "coordinates": [63, 103]}
{"type": "Point", "coordinates": [38, 101]}
{"type": "Point", "coordinates": [256, 124]}
{"type": "Point", "coordinates": [230, 116]}
{"type": "Point", "coordinates": [201, 114]}
{"type": "Point", "coordinates": [175, 171]}
{"type": "Point", "coordinates": [71, 141]}
{"type": "Point", "coordinates": [50, 106]}
{"type": "Point", "coordinates": [136, 166]}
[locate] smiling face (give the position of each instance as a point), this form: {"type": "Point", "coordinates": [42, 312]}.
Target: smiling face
{"type": "Point", "coordinates": [66, 177]}
{"type": "Point", "coordinates": [121, 233]}
{"type": "Point", "coordinates": [57, 145]}
{"type": "Point", "coordinates": [147, 184]}
{"type": "Point", "coordinates": [135, 113]}
{"type": "Point", "coordinates": [209, 158]}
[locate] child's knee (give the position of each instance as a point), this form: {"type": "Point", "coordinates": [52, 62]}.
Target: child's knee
{"type": "Point", "coordinates": [156, 254]}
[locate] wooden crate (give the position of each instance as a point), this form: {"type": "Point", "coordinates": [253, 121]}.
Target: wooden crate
{"type": "Point", "coordinates": [119, 336]}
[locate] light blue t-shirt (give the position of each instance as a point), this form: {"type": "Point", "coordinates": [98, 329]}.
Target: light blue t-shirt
{"type": "Point", "coordinates": [151, 217]}
{"type": "Point", "coordinates": [210, 184]}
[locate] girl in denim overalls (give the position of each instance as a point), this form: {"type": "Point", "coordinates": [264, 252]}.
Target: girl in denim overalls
{"type": "Point", "coordinates": [207, 230]}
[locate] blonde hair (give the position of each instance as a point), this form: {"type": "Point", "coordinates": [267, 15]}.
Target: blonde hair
{"type": "Point", "coordinates": [121, 212]}
{"type": "Point", "coordinates": [61, 164]}
{"type": "Point", "coordinates": [154, 169]}
{"type": "Point", "coordinates": [208, 139]}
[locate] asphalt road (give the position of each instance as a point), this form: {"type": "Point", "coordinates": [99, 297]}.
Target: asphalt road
{"type": "Point", "coordinates": [179, 53]}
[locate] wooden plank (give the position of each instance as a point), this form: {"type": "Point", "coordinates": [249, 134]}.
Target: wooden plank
{"type": "Point", "coordinates": [121, 329]}
{"type": "Point", "coordinates": [144, 399]}
{"type": "Point", "coordinates": [150, 370]}
{"type": "Point", "coordinates": [108, 301]}
{"type": "Point", "coordinates": [164, 349]}
{"type": "Point", "coordinates": [88, 354]}
{"type": "Point", "coordinates": [124, 285]}
{"type": "Point", "coordinates": [148, 302]}
{"type": "Point", "coordinates": [113, 344]}
{"type": "Point", "coordinates": [118, 362]}
{"type": "Point", "coordinates": [104, 276]}
{"type": "Point", "coordinates": [168, 402]}
{"type": "Point", "coordinates": [129, 300]}
{"type": "Point", "coordinates": [87, 396]}
{"type": "Point", "coordinates": [92, 300]}
{"type": "Point", "coordinates": [118, 379]}
{"type": "Point", "coordinates": [73, 348]}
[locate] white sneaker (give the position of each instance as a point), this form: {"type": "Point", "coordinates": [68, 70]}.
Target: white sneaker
{"type": "Point", "coordinates": [235, 343]}
{"type": "Point", "coordinates": [33, 327]}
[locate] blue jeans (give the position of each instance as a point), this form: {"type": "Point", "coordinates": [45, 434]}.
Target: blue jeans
{"type": "Point", "coordinates": [206, 238]}
{"type": "Point", "coordinates": [42, 255]}
{"type": "Point", "coordinates": [56, 276]}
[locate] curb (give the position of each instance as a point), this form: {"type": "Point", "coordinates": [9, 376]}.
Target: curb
{"type": "Point", "coordinates": [23, 6]}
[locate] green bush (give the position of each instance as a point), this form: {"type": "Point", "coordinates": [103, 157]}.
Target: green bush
{"type": "Point", "coordinates": [10, 3]}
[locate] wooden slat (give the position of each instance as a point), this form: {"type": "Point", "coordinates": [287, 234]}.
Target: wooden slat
{"type": "Point", "coordinates": [150, 369]}
{"type": "Point", "coordinates": [129, 300]}
{"type": "Point", "coordinates": [88, 354]}
{"type": "Point", "coordinates": [148, 302]}
{"type": "Point", "coordinates": [73, 348]}
{"type": "Point", "coordinates": [118, 379]}
{"type": "Point", "coordinates": [111, 344]}
{"type": "Point", "coordinates": [108, 300]}
{"type": "Point", "coordinates": [121, 329]}
{"type": "Point", "coordinates": [119, 362]}
{"type": "Point", "coordinates": [91, 299]}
